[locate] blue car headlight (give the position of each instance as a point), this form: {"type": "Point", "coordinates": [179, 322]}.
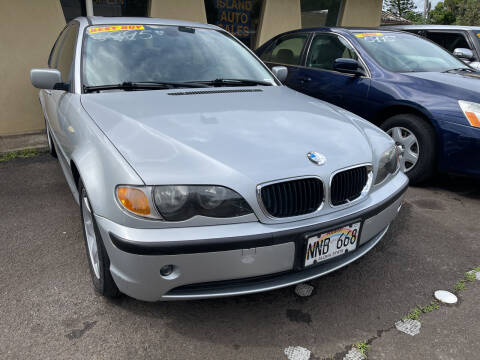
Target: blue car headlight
{"type": "Point", "coordinates": [471, 111]}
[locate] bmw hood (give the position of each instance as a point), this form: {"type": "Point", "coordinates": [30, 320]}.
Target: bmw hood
{"type": "Point", "coordinates": [223, 135]}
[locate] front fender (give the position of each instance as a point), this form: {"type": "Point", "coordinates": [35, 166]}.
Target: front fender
{"type": "Point", "coordinates": [98, 163]}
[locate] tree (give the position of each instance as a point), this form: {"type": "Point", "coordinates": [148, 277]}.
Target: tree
{"type": "Point", "coordinates": [469, 13]}
{"type": "Point", "coordinates": [400, 7]}
{"type": "Point", "coordinates": [415, 17]}
{"type": "Point", "coordinates": [444, 13]}
{"type": "Point", "coordinates": [460, 12]}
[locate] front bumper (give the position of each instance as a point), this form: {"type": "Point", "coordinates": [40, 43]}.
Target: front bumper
{"type": "Point", "coordinates": [461, 146]}
{"type": "Point", "coordinates": [227, 260]}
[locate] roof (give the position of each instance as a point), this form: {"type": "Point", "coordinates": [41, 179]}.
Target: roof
{"type": "Point", "coordinates": [103, 20]}
{"type": "Point", "coordinates": [435, 27]}
{"type": "Point", "coordinates": [389, 18]}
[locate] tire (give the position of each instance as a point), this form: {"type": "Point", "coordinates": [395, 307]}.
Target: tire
{"type": "Point", "coordinates": [400, 127]}
{"type": "Point", "coordinates": [99, 266]}
{"type": "Point", "coordinates": [51, 146]}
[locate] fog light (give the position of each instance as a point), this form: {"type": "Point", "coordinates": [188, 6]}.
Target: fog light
{"type": "Point", "coordinates": [167, 270]}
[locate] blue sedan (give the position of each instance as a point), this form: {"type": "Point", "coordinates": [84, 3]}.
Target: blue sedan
{"type": "Point", "coordinates": [421, 95]}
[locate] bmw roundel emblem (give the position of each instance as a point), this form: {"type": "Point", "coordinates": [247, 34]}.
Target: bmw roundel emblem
{"type": "Point", "coordinates": [316, 158]}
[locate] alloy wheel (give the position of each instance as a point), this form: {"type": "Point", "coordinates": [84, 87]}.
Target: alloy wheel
{"type": "Point", "coordinates": [408, 143]}
{"type": "Point", "coordinates": [90, 235]}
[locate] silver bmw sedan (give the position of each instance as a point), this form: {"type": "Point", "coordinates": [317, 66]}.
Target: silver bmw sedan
{"type": "Point", "coordinates": [197, 173]}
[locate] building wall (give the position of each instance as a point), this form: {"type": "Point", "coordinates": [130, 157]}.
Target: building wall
{"type": "Point", "coordinates": [191, 10]}
{"type": "Point", "coordinates": [28, 30]}
{"type": "Point", "coordinates": [278, 16]}
{"type": "Point", "coordinates": [366, 13]}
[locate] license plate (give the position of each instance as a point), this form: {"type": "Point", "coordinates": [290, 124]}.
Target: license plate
{"type": "Point", "coordinates": [331, 244]}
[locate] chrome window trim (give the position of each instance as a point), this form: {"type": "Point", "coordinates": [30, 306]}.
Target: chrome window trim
{"type": "Point", "coordinates": [365, 191]}
{"type": "Point", "coordinates": [291, 218]}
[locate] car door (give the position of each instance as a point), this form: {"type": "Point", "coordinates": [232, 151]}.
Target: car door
{"type": "Point", "coordinates": [289, 51]}
{"type": "Point", "coordinates": [64, 63]}
{"type": "Point", "coordinates": [320, 80]}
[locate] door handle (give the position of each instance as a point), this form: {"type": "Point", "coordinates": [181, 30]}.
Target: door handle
{"type": "Point", "coordinates": [305, 79]}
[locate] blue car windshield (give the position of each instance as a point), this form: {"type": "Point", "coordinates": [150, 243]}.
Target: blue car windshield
{"type": "Point", "coordinates": [117, 54]}
{"type": "Point", "coordinates": [402, 52]}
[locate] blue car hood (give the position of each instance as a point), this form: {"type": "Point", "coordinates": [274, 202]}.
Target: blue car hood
{"type": "Point", "coordinates": [466, 84]}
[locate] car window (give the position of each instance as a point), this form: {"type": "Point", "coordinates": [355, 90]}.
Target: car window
{"type": "Point", "coordinates": [449, 41]}
{"type": "Point", "coordinates": [287, 50]}
{"type": "Point", "coordinates": [404, 52]}
{"type": "Point", "coordinates": [156, 53]}
{"type": "Point", "coordinates": [66, 53]}
{"type": "Point", "coordinates": [326, 48]}
{"type": "Point", "coordinates": [52, 59]}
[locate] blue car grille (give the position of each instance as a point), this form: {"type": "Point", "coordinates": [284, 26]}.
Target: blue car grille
{"type": "Point", "coordinates": [348, 185]}
{"type": "Point", "coordinates": [292, 198]}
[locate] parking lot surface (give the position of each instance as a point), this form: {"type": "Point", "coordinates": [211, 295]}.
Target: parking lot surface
{"type": "Point", "coordinates": [48, 308]}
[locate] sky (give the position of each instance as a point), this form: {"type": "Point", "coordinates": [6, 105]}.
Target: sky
{"type": "Point", "coordinates": [421, 3]}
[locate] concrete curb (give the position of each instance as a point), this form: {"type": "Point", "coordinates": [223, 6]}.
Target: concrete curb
{"type": "Point", "coordinates": [34, 140]}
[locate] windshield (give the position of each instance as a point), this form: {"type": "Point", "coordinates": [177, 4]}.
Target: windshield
{"type": "Point", "coordinates": [402, 52]}
{"type": "Point", "coordinates": [149, 53]}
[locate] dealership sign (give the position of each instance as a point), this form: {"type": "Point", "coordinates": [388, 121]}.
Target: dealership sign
{"type": "Point", "coordinates": [235, 16]}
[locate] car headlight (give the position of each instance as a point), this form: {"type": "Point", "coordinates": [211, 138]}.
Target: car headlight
{"type": "Point", "coordinates": [388, 164]}
{"type": "Point", "coordinates": [471, 111]}
{"type": "Point", "coordinates": [182, 202]}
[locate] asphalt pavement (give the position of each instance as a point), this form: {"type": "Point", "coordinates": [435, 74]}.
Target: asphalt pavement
{"type": "Point", "coordinates": [48, 309]}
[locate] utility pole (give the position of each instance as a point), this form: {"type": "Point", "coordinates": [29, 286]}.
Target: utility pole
{"type": "Point", "coordinates": [89, 7]}
{"type": "Point", "coordinates": [426, 9]}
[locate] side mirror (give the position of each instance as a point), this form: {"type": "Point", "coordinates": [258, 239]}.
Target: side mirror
{"type": "Point", "coordinates": [348, 66]}
{"type": "Point", "coordinates": [463, 54]}
{"type": "Point", "coordinates": [46, 79]}
{"type": "Point", "coordinates": [281, 72]}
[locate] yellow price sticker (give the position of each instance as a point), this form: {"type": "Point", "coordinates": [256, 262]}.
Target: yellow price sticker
{"type": "Point", "coordinates": [100, 29]}
{"type": "Point", "coordinates": [368, 34]}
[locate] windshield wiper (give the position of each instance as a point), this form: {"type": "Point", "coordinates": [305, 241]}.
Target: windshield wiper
{"type": "Point", "coordinates": [459, 70]}
{"type": "Point", "coordinates": [234, 82]}
{"type": "Point", "coordinates": [144, 85]}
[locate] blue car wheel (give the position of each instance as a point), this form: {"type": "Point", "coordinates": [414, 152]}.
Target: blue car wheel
{"type": "Point", "coordinates": [416, 137]}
